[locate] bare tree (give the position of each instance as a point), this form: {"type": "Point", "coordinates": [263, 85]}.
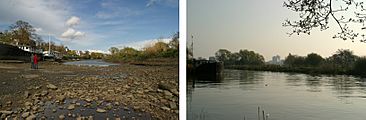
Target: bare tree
{"type": "Point", "coordinates": [318, 14]}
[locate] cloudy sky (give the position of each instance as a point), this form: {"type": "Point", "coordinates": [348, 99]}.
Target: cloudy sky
{"type": "Point", "coordinates": [256, 25]}
{"type": "Point", "coordinates": [95, 24]}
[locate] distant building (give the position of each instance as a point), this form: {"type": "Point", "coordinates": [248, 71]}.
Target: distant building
{"type": "Point", "coordinates": [79, 53]}
{"type": "Point", "coordinates": [276, 60]}
{"type": "Point", "coordinates": [212, 58]}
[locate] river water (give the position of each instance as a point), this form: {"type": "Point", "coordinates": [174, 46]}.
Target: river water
{"type": "Point", "coordinates": [283, 96]}
{"type": "Point", "coordinates": [90, 63]}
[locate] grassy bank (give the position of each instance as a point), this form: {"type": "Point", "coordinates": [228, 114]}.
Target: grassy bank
{"type": "Point", "coordinates": [329, 70]}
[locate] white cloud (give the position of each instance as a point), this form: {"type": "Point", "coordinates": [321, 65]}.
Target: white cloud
{"type": "Point", "coordinates": [139, 45]}
{"type": "Point", "coordinates": [99, 51]}
{"type": "Point", "coordinates": [38, 30]}
{"type": "Point", "coordinates": [171, 3]}
{"type": "Point", "coordinates": [151, 2]}
{"type": "Point", "coordinates": [73, 21]}
{"type": "Point", "coordinates": [112, 10]}
{"type": "Point", "coordinates": [45, 14]}
{"type": "Point", "coordinates": [72, 34]}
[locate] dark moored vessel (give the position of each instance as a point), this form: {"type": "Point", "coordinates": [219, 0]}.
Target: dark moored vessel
{"type": "Point", "coordinates": [11, 52]}
{"type": "Point", "coordinates": [207, 69]}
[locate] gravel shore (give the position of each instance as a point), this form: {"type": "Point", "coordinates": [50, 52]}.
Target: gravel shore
{"type": "Point", "coordinates": [57, 91]}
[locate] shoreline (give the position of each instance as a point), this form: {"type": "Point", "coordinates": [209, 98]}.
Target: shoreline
{"type": "Point", "coordinates": [302, 70]}
{"type": "Point", "coordinates": [146, 91]}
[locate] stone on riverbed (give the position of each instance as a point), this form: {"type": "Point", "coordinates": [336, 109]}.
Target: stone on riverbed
{"type": "Point", "coordinates": [28, 104]}
{"type": "Point", "coordinates": [88, 100]}
{"type": "Point", "coordinates": [26, 114]}
{"type": "Point", "coordinates": [71, 107]}
{"type": "Point", "coordinates": [60, 98]}
{"type": "Point", "coordinates": [26, 94]}
{"type": "Point", "coordinates": [6, 112]}
{"type": "Point", "coordinates": [165, 108]}
{"type": "Point", "coordinates": [164, 86]}
{"type": "Point", "coordinates": [99, 110]}
{"type": "Point", "coordinates": [44, 93]}
{"type": "Point", "coordinates": [30, 76]}
{"type": "Point", "coordinates": [51, 86]}
{"type": "Point", "coordinates": [61, 117]}
{"type": "Point", "coordinates": [173, 105]}
{"type": "Point", "coordinates": [31, 117]}
{"type": "Point", "coordinates": [167, 93]}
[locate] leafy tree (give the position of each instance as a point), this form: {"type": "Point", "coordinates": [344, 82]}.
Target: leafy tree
{"type": "Point", "coordinates": [222, 55]}
{"type": "Point", "coordinates": [250, 58]}
{"type": "Point", "coordinates": [294, 60]}
{"type": "Point", "coordinates": [174, 43]}
{"type": "Point", "coordinates": [113, 50]}
{"type": "Point", "coordinates": [128, 52]}
{"type": "Point", "coordinates": [360, 66]}
{"type": "Point", "coordinates": [6, 37]}
{"type": "Point", "coordinates": [344, 58]}
{"type": "Point", "coordinates": [24, 33]}
{"type": "Point", "coordinates": [95, 55]}
{"type": "Point", "coordinates": [313, 59]}
{"type": "Point", "coordinates": [319, 13]}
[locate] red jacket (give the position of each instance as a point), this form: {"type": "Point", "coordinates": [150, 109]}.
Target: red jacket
{"type": "Point", "coordinates": [35, 59]}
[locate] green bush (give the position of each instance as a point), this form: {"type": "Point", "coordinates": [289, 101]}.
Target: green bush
{"type": "Point", "coordinates": [360, 66]}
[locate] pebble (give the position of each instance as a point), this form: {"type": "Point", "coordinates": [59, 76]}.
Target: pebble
{"type": "Point", "coordinates": [167, 93]}
{"type": "Point", "coordinates": [173, 105]}
{"type": "Point", "coordinates": [90, 118]}
{"type": "Point", "coordinates": [44, 93]}
{"type": "Point", "coordinates": [28, 104]}
{"type": "Point", "coordinates": [61, 117]}
{"type": "Point", "coordinates": [31, 117]}
{"type": "Point", "coordinates": [51, 86]}
{"type": "Point", "coordinates": [8, 103]}
{"type": "Point", "coordinates": [175, 92]}
{"type": "Point", "coordinates": [61, 98]}
{"type": "Point", "coordinates": [26, 114]}
{"type": "Point", "coordinates": [3, 83]}
{"type": "Point", "coordinates": [99, 110]}
{"type": "Point", "coordinates": [165, 108]}
{"type": "Point", "coordinates": [88, 100]}
{"type": "Point", "coordinates": [26, 94]}
{"type": "Point", "coordinates": [71, 107]}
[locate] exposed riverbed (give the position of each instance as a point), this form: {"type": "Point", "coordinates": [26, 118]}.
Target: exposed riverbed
{"type": "Point", "coordinates": [72, 91]}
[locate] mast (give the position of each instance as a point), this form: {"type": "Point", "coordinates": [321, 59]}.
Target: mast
{"type": "Point", "coordinates": [192, 47]}
{"type": "Point", "coordinates": [49, 44]}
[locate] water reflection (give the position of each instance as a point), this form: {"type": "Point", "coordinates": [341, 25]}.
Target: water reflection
{"type": "Point", "coordinates": [284, 95]}
{"type": "Point", "coordinates": [314, 83]}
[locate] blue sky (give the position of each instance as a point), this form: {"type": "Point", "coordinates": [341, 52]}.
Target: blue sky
{"type": "Point", "coordinates": [95, 24]}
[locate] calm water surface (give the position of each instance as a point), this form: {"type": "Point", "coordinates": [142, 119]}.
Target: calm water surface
{"type": "Point", "coordinates": [284, 96]}
{"type": "Point", "coordinates": [90, 63]}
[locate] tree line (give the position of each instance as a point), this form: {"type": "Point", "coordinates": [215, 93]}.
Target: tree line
{"type": "Point", "coordinates": [343, 61]}
{"type": "Point", "coordinates": [159, 49]}
{"type": "Point", "coordinates": [22, 33]}
{"type": "Point", "coordinates": [242, 57]}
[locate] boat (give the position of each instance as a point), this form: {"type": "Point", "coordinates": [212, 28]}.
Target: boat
{"type": "Point", "coordinates": [14, 52]}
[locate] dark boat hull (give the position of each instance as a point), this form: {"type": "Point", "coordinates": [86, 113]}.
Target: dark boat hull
{"type": "Point", "coordinates": [10, 52]}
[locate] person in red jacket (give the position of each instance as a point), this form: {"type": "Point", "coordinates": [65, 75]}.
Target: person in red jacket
{"type": "Point", "coordinates": [35, 60]}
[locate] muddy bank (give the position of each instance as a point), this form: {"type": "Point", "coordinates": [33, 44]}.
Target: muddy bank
{"type": "Point", "coordinates": [81, 92]}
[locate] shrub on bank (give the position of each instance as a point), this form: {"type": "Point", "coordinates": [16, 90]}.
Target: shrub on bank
{"type": "Point", "coordinates": [360, 66]}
